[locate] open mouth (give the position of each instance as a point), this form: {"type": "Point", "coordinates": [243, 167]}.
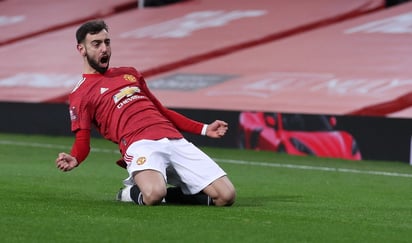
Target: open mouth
{"type": "Point", "coordinates": [104, 59]}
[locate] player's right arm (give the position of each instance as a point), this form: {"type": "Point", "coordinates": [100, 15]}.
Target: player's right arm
{"type": "Point", "coordinates": [66, 162]}
{"type": "Point", "coordinates": [79, 151]}
{"type": "Point", "coordinates": [80, 125]}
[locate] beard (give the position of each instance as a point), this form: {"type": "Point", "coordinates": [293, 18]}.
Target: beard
{"type": "Point", "coordinates": [96, 65]}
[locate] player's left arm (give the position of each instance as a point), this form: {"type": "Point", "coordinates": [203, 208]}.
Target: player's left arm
{"type": "Point", "coordinates": [216, 129]}
{"type": "Point", "coordinates": [182, 122]}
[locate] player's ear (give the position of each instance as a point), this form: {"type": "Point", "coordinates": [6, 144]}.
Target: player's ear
{"type": "Point", "coordinates": [81, 49]}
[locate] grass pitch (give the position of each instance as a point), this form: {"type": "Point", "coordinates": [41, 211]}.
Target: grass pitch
{"type": "Point", "coordinates": [280, 199]}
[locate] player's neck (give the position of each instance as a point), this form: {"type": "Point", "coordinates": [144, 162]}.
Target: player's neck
{"type": "Point", "coordinates": [89, 70]}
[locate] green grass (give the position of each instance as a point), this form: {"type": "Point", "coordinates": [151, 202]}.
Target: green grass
{"type": "Point", "coordinates": [279, 200]}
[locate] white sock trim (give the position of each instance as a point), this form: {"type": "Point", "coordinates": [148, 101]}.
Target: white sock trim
{"type": "Point", "coordinates": [126, 194]}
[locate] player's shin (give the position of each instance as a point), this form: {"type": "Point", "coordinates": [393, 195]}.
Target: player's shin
{"type": "Point", "coordinates": [175, 196]}
{"type": "Point", "coordinates": [136, 195]}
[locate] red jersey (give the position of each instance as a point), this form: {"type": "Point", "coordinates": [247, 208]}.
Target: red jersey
{"type": "Point", "coordinates": [121, 107]}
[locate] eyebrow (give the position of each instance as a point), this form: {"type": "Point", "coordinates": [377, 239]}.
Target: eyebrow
{"type": "Point", "coordinates": [99, 40]}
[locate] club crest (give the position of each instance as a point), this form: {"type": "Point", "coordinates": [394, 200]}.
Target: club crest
{"type": "Point", "coordinates": [141, 160]}
{"type": "Point", "coordinates": [130, 78]}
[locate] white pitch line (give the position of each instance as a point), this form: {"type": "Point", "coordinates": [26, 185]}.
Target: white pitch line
{"type": "Point", "coordinates": [229, 161]}
{"type": "Point", "coordinates": [53, 146]}
{"type": "Point", "coordinates": [319, 168]}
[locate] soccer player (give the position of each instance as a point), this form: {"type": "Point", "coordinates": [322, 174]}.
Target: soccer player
{"type": "Point", "coordinates": [119, 104]}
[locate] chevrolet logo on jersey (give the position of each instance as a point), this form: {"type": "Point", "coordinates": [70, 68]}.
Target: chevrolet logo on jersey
{"type": "Point", "coordinates": [125, 92]}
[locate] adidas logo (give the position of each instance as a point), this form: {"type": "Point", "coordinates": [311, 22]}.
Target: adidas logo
{"type": "Point", "coordinates": [102, 90]}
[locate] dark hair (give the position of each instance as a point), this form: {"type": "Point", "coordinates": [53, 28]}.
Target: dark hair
{"type": "Point", "coordinates": [90, 27]}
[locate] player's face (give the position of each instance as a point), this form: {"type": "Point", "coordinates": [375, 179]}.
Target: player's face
{"type": "Point", "coordinates": [98, 51]}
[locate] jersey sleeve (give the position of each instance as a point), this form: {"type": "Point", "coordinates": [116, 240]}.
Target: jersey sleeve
{"type": "Point", "coordinates": [181, 122]}
{"type": "Point", "coordinates": [80, 113]}
{"type": "Point", "coordinates": [81, 122]}
{"type": "Point", "coordinates": [81, 146]}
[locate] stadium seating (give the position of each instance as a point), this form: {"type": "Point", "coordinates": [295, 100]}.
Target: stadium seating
{"type": "Point", "coordinates": [333, 57]}
{"type": "Point", "coordinates": [43, 64]}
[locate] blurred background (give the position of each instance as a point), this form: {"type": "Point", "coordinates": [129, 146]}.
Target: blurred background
{"type": "Point", "coordinates": [261, 65]}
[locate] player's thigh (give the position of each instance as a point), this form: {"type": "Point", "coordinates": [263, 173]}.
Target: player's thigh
{"type": "Point", "coordinates": [196, 169]}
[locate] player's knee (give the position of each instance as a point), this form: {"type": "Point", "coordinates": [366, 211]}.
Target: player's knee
{"type": "Point", "coordinates": [154, 195]}
{"type": "Point", "coordinates": [226, 198]}
{"type": "Point", "coordinates": [229, 197]}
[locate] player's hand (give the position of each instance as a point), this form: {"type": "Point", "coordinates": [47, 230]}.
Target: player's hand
{"type": "Point", "coordinates": [66, 162]}
{"type": "Point", "coordinates": [216, 129]}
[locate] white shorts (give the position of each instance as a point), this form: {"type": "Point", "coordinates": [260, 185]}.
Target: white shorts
{"type": "Point", "coordinates": [180, 162]}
